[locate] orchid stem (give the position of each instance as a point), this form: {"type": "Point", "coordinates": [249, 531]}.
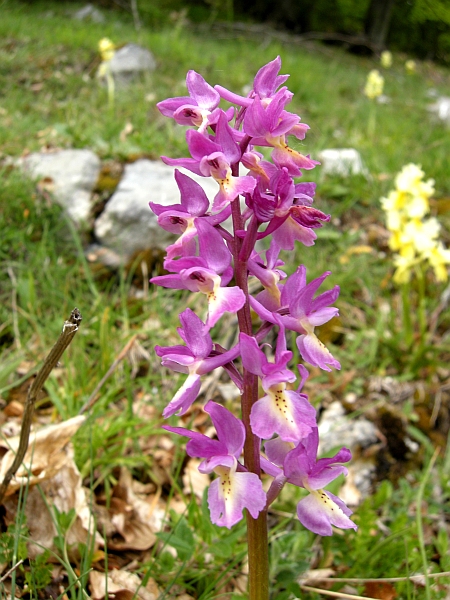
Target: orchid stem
{"type": "Point", "coordinates": [257, 533]}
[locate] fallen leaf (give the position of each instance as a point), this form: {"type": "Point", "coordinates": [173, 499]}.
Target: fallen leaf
{"type": "Point", "coordinates": [121, 584]}
{"type": "Point", "coordinates": [193, 480]}
{"type": "Point", "coordinates": [64, 491]}
{"type": "Point", "coordinates": [14, 409]}
{"type": "Point", "coordinates": [345, 258]}
{"type": "Point", "coordinates": [380, 589]}
{"type": "Point", "coordinates": [314, 576]}
{"type": "Point", "coordinates": [132, 517]}
{"type": "Point", "coordinates": [126, 131]}
{"type": "Point", "coordinates": [45, 456]}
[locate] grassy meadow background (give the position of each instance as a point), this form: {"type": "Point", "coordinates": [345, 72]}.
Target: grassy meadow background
{"type": "Point", "coordinates": [49, 97]}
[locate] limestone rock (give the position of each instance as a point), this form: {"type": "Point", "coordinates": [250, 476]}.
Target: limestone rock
{"type": "Point", "coordinates": [342, 161]}
{"type": "Point", "coordinates": [336, 430]}
{"type": "Point", "coordinates": [130, 61]}
{"type": "Point", "coordinates": [73, 175]}
{"type": "Point", "coordinates": [89, 13]}
{"type": "Point", "coordinates": [441, 108]}
{"type": "Point", "coordinates": [127, 224]}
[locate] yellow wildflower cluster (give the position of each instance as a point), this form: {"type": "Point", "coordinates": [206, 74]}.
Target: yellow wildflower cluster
{"type": "Point", "coordinates": [414, 238]}
{"type": "Point", "coordinates": [386, 59]}
{"type": "Point", "coordinates": [374, 84]}
{"type": "Point", "coordinates": [106, 49]}
{"type": "Point", "coordinates": [410, 66]}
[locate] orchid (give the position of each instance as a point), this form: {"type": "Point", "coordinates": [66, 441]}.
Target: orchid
{"type": "Point", "coordinates": [299, 311]}
{"type": "Point", "coordinates": [281, 411]}
{"type": "Point", "coordinates": [196, 109]}
{"type": "Point", "coordinates": [208, 273]}
{"type": "Point", "coordinates": [180, 218]}
{"type": "Point", "coordinates": [214, 159]}
{"type": "Point", "coordinates": [196, 359]}
{"type": "Point", "coordinates": [320, 509]}
{"type": "Point", "coordinates": [217, 260]}
{"type": "Point", "coordinates": [232, 491]}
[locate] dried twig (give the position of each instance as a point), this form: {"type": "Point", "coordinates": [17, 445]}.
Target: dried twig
{"type": "Point", "coordinates": [122, 354]}
{"type": "Point", "coordinates": [308, 588]}
{"type": "Point", "coordinates": [14, 308]}
{"type": "Point", "coordinates": [11, 570]}
{"type": "Point", "coordinates": [67, 334]}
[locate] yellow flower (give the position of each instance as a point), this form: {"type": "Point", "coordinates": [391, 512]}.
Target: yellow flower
{"type": "Point", "coordinates": [420, 235]}
{"type": "Point", "coordinates": [410, 66]}
{"type": "Point", "coordinates": [438, 258]}
{"type": "Point", "coordinates": [410, 180]}
{"type": "Point", "coordinates": [415, 240]}
{"type": "Point", "coordinates": [404, 265]}
{"type": "Point", "coordinates": [374, 84]}
{"type": "Point", "coordinates": [106, 49]}
{"type": "Point", "coordinates": [386, 59]}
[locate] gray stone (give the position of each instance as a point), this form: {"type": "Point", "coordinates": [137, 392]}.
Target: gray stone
{"type": "Point", "coordinates": [342, 161]}
{"type": "Point", "coordinates": [73, 175]}
{"type": "Point", "coordinates": [130, 61]}
{"type": "Point", "coordinates": [89, 13]}
{"type": "Point", "coordinates": [336, 430]}
{"type": "Point", "coordinates": [127, 224]}
{"type": "Point", "coordinates": [441, 108]}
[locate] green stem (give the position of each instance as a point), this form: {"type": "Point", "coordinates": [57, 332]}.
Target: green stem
{"type": "Point", "coordinates": [421, 313]}
{"type": "Point", "coordinates": [257, 534]}
{"type": "Point", "coordinates": [419, 523]}
{"type": "Point", "coordinates": [111, 89]}
{"type": "Point", "coordinates": [406, 316]}
{"type": "Point", "coordinates": [372, 121]}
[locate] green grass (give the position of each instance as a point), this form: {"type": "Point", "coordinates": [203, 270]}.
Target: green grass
{"type": "Point", "coordinates": [49, 96]}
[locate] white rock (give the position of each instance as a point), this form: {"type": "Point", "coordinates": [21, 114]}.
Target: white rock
{"type": "Point", "coordinates": [336, 430]}
{"type": "Point", "coordinates": [342, 161]}
{"type": "Point", "coordinates": [89, 13]}
{"type": "Point", "coordinates": [130, 61]}
{"type": "Point", "coordinates": [74, 174]}
{"type": "Point", "coordinates": [442, 108]}
{"type": "Point", "coordinates": [127, 224]}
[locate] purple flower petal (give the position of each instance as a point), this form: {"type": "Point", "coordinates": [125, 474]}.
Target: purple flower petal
{"type": "Point", "coordinates": [199, 445]}
{"type": "Point", "coordinates": [283, 412]}
{"type": "Point", "coordinates": [277, 450]}
{"type": "Point", "coordinates": [315, 352]}
{"type": "Point", "coordinates": [169, 106]}
{"type": "Point", "coordinates": [204, 94]}
{"type": "Point", "coordinates": [267, 79]}
{"type": "Point", "coordinates": [224, 299]}
{"type": "Point", "coordinates": [320, 510]}
{"type": "Point", "coordinates": [195, 334]}
{"type": "Point", "coordinates": [230, 429]}
{"type": "Point", "coordinates": [230, 493]}
{"type": "Point", "coordinates": [185, 396]}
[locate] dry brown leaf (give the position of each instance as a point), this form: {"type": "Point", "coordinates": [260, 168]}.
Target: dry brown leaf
{"type": "Point", "coordinates": [14, 409]}
{"type": "Point", "coordinates": [45, 456]}
{"type": "Point", "coordinates": [126, 131]}
{"type": "Point", "coordinates": [314, 576]}
{"type": "Point", "coordinates": [123, 585]}
{"type": "Point", "coordinates": [362, 249]}
{"type": "Point", "coordinates": [133, 518]}
{"type": "Point", "coordinates": [380, 589]}
{"type": "Point", "coordinates": [64, 491]}
{"type": "Point", "coordinates": [193, 480]}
